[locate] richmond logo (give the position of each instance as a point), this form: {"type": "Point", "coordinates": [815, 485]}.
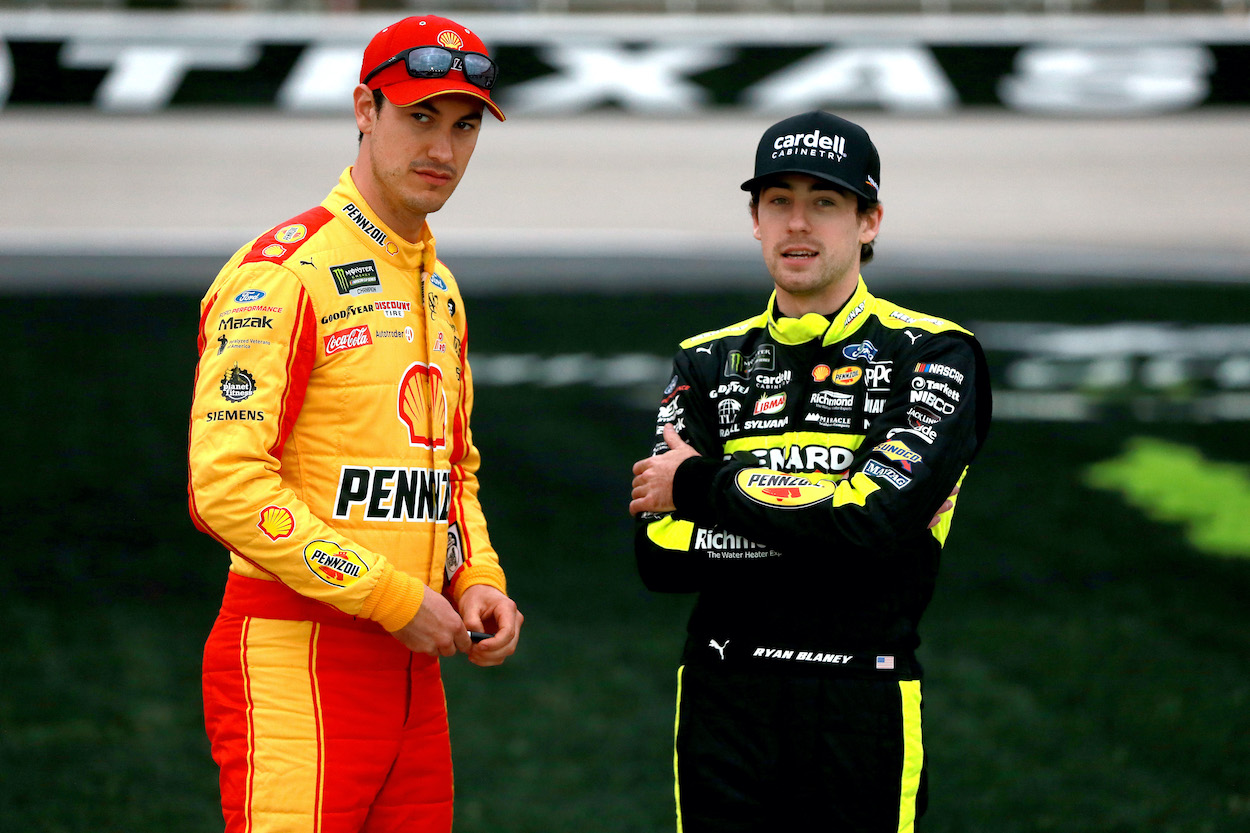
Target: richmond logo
{"type": "Point", "coordinates": [420, 391]}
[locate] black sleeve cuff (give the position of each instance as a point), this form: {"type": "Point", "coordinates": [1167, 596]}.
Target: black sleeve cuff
{"type": "Point", "coordinates": [692, 490]}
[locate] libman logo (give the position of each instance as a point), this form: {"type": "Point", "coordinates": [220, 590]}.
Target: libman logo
{"type": "Point", "coordinates": [355, 278]}
{"type": "Point", "coordinates": [334, 565]}
{"type": "Point", "coordinates": [784, 491]}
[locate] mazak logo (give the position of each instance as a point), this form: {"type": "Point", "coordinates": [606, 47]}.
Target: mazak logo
{"type": "Point", "coordinates": [770, 404]}
{"type": "Point", "coordinates": [237, 384]}
{"type": "Point", "coordinates": [261, 322]}
{"type": "Point", "coordinates": [810, 144]}
{"type": "Point", "coordinates": [348, 339]}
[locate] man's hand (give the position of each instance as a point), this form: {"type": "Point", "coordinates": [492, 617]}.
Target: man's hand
{"type": "Point", "coordinates": [653, 476]}
{"type": "Point", "coordinates": [484, 608]}
{"type": "Point", "coordinates": [947, 505]}
{"type": "Point", "coordinates": [436, 630]}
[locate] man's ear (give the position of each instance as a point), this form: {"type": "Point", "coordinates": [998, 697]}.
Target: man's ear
{"type": "Point", "coordinates": [366, 111]}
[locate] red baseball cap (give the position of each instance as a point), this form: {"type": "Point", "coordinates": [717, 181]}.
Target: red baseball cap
{"type": "Point", "coordinates": [400, 88]}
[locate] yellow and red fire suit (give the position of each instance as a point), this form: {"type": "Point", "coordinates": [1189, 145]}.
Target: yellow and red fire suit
{"type": "Point", "coordinates": [331, 455]}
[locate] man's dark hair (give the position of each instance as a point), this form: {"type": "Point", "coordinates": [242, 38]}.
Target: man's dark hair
{"type": "Point", "coordinates": [378, 98]}
{"type": "Point", "coordinates": [863, 205]}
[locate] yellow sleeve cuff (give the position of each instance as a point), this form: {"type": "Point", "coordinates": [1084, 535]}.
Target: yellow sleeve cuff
{"type": "Point", "coordinates": [490, 574]}
{"type": "Point", "coordinates": [394, 600]}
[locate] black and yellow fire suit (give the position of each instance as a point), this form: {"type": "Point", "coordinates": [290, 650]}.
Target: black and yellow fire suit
{"type": "Point", "coordinates": [827, 444]}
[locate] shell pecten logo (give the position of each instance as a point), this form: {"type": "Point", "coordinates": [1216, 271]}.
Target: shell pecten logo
{"type": "Point", "coordinates": [450, 39]}
{"type": "Point", "coordinates": [334, 565]}
{"type": "Point", "coordinates": [276, 522]}
{"type": "Point", "coordinates": [785, 491]}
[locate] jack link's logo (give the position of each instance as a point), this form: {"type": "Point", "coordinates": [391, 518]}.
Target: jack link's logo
{"type": "Point", "coordinates": [423, 405]}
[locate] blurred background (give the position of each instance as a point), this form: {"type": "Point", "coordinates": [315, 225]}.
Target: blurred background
{"type": "Point", "coordinates": [1067, 178]}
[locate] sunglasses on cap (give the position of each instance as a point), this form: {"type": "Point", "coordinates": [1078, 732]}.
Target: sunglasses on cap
{"type": "Point", "coordinates": [437, 61]}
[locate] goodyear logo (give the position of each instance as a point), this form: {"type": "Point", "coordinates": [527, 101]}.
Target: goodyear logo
{"type": "Point", "coordinates": [783, 491]}
{"type": "Point", "coordinates": [333, 564]}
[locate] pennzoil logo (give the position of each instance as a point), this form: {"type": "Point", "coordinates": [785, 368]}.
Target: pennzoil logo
{"type": "Point", "coordinates": [450, 39]}
{"type": "Point", "coordinates": [423, 405]}
{"type": "Point", "coordinates": [783, 491]}
{"type": "Point", "coordinates": [291, 234]}
{"type": "Point", "coordinates": [848, 375]}
{"type": "Point", "coordinates": [276, 522]}
{"type": "Point", "coordinates": [334, 565]}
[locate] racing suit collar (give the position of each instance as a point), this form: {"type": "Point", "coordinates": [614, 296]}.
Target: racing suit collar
{"type": "Point", "coordinates": [829, 329]}
{"type": "Point", "coordinates": [346, 203]}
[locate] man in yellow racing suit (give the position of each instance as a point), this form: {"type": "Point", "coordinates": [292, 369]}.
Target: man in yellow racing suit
{"type": "Point", "coordinates": [331, 455]}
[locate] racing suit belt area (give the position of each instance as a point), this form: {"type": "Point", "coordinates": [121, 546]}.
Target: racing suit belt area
{"type": "Point", "coordinates": [826, 446]}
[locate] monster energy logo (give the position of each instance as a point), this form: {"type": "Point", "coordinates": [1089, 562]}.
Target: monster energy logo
{"type": "Point", "coordinates": [350, 278]}
{"type": "Point", "coordinates": [742, 366]}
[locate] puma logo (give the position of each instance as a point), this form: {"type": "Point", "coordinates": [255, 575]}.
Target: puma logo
{"type": "Point", "coordinates": [703, 350]}
{"type": "Point", "coordinates": [720, 649]}
{"type": "Point", "coordinates": [912, 337]}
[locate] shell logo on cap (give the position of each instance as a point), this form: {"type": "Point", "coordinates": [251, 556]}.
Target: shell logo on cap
{"type": "Point", "coordinates": [450, 39]}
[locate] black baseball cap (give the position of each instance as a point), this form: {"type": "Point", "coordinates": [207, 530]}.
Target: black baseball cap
{"type": "Point", "coordinates": [822, 145]}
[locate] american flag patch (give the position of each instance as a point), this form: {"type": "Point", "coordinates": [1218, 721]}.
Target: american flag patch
{"type": "Point", "coordinates": [885, 663]}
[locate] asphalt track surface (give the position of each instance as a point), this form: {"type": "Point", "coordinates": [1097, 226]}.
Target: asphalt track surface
{"type": "Point", "coordinates": [618, 201]}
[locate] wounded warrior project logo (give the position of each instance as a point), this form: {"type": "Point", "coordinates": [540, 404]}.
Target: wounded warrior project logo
{"type": "Point", "coordinates": [237, 384]}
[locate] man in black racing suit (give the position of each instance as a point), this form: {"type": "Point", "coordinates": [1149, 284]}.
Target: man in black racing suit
{"type": "Point", "coordinates": [800, 457]}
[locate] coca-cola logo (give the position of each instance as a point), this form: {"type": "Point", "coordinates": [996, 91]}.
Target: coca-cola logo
{"type": "Point", "coordinates": [348, 339]}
